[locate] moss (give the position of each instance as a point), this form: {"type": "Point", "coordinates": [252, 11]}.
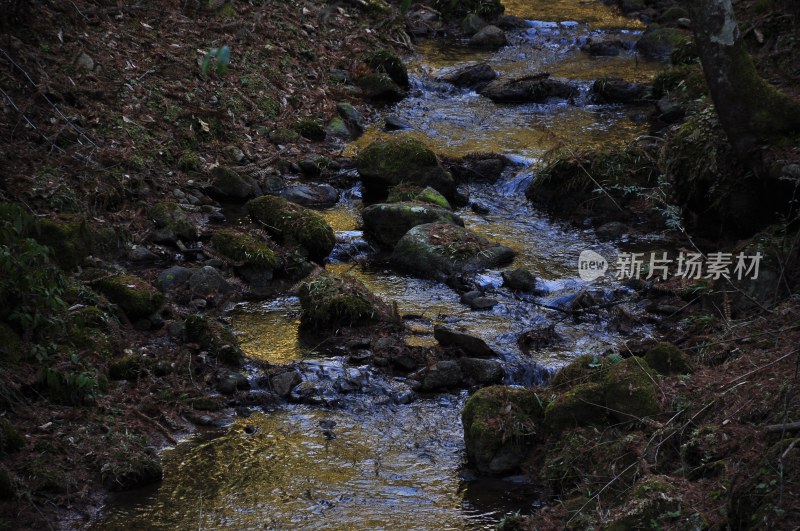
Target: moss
{"type": "Point", "coordinates": [686, 82]}
{"type": "Point", "coordinates": [282, 135]}
{"type": "Point", "coordinates": [583, 369]}
{"type": "Point", "coordinates": [330, 301]}
{"type": "Point", "coordinates": [380, 88]}
{"type": "Point", "coordinates": [131, 471]}
{"type": "Point", "coordinates": [230, 185]}
{"type": "Point", "coordinates": [189, 161]}
{"type": "Point", "coordinates": [387, 62]}
{"type": "Point", "coordinates": [244, 248]}
{"type": "Point", "coordinates": [293, 224]}
{"type": "Point", "coordinates": [310, 129]}
{"type": "Point", "coordinates": [214, 338]}
{"type": "Point", "coordinates": [500, 426]}
{"type": "Point", "coordinates": [10, 345]}
{"type": "Point", "coordinates": [336, 127]}
{"type": "Point", "coordinates": [10, 439]}
{"type": "Point", "coordinates": [586, 460]}
{"type": "Point", "coordinates": [651, 504]}
{"type": "Point", "coordinates": [629, 390]}
{"type": "Point", "coordinates": [387, 223]}
{"type": "Point", "coordinates": [228, 11]}
{"type": "Point", "coordinates": [406, 192]}
{"type": "Point", "coordinates": [137, 298]}
{"type": "Point", "coordinates": [71, 241]}
{"type": "Point", "coordinates": [668, 359]}
{"type": "Point", "coordinates": [128, 367]}
{"type": "Point", "coordinates": [580, 406]}
{"type": "Point", "coordinates": [169, 216]}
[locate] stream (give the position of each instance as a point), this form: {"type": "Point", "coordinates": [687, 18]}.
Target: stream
{"type": "Point", "coordinates": [372, 454]}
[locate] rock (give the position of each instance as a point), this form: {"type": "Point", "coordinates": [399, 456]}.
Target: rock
{"type": "Point", "coordinates": [471, 345]}
{"type": "Point", "coordinates": [471, 76]}
{"type": "Point", "coordinates": [482, 303]}
{"type": "Point", "coordinates": [613, 90]}
{"type": "Point", "coordinates": [253, 259]}
{"type": "Point", "coordinates": [395, 123]}
{"type": "Point", "coordinates": [529, 89]}
{"type": "Point", "coordinates": [612, 230]}
{"type": "Point", "coordinates": [489, 37]}
{"type": "Point", "coordinates": [228, 382]}
{"type": "Point", "coordinates": [338, 128]}
{"type": "Point", "coordinates": [387, 223]}
{"type": "Point", "coordinates": [669, 110]}
{"type": "Point", "coordinates": [312, 195]}
{"type": "Point", "coordinates": [603, 48]}
{"type": "Point", "coordinates": [172, 223]}
{"type": "Point", "coordinates": [131, 471]}
{"type": "Point", "coordinates": [428, 195]}
{"type": "Point", "coordinates": [519, 279]}
{"type": "Point", "coordinates": [403, 159]}
{"type": "Point", "coordinates": [207, 283]}
{"type": "Point", "coordinates": [85, 61]}
{"type": "Point", "coordinates": [283, 383]}
{"type": "Point", "coordinates": [70, 238]}
{"type": "Point", "coordinates": [479, 167]}
{"type": "Point", "coordinates": [538, 338]}
{"type": "Point", "coordinates": [472, 24]}
{"type": "Point", "coordinates": [630, 390]}
{"type": "Point", "coordinates": [293, 224]}
{"type": "Point", "coordinates": [137, 298]}
{"type": "Point", "coordinates": [444, 375]}
{"type": "Point", "coordinates": [235, 154]}
{"type": "Point", "coordinates": [423, 21]}
{"type": "Point", "coordinates": [228, 185]}
{"type": "Point", "coordinates": [387, 62]}
{"type": "Point", "coordinates": [437, 251]}
{"type": "Point", "coordinates": [214, 338]}
{"type": "Point", "coordinates": [141, 254]}
{"type": "Point", "coordinates": [339, 76]}
{"type": "Point", "coordinates": [657, 44]}
{"type": "Point", "coordinates": [479, 207]}
{"type": "Point", "coordinates": [668, 359]}
{"type": "Point", "coordinates": [352, 118]}
{"type": "Point", "coordinates": [329, 301]}
{"type": "Point", "coordinates": [651, 503]}
{"type": "Point", "coordinates": [310, 129]}
{"type": "Point", "coordinates": [482, 371]}
{"type": "Point", "coordinates": [582, 405]}
{"type": "Point", "coordinates": [380, 88]}
{"type": "Point", "coordinates": [501, 426]}
{"type": "Point", "coordinates": [173, 278]}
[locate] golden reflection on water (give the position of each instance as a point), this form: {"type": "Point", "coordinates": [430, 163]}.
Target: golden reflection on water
{"type": "Point", "coordinates": [340, 219]}
{"type": "Point", "coordinates": [270, 336]}
{"type": "Point", "coordinates": [594, 12]}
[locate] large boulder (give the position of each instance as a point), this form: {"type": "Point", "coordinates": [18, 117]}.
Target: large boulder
{"type": "Point", "coordinates": [253, 259]}
{"type": "Point", "coordinates": [137, 298]}
{"type": "Point", "coordinates": [329, 301]}
{"type": "Point", "coordinates": [439, 250]}
{"type": "Point", "coordinates": [172, 223]}
{"type": "Point", "coordinates": [529, 89]}
{"type": "Point", "coordinates": [630, 390]}
{"type": "Point", "coordinates": [469, 344]}
{"type": "Point", "coordinates": [386, 223]}
{"type": "Point", "coordinates": [380, 88]}
{"type": "Point", "coordinates": [293, 224]}
{"type": "Point", "coordinates": [402, 159]}
{"type": "Point", "coordinates": [471, 76]}
{"type": "Point", "coordinates": [489, 37]}
{"type": "Point", "coordinates": [614, 90]}
{"type": "Point", "coordinates": [668, 359]}
{"type": "Point", "coordinates": [229, 185]}
{"type": "Point", "coordinates": [501, 424]}
{"type": "Point", "coordinates": [312, 195]}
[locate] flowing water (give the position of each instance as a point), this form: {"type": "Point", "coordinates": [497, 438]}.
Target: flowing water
{"type": "Point", "coordinates": [371, 459]}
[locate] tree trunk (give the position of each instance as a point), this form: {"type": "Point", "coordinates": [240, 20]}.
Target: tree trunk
{"type": "Point", "coordinates": [750, 109]}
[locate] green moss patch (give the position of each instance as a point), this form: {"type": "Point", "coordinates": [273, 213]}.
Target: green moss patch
{"type": "Point", "coordinates": [71, 241]}
{"type": "Point", "coordinates": [668, 359]}
{"type": "Point", "coordinates": [329, 301]}
{"type": "Point", "coordinates": [137, 298]}
{"type": "Point", "coordinates": [244, 248]}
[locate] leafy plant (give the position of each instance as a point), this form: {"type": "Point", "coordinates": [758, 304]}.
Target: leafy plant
{"type": "Point", "coordinates": [221, 57]}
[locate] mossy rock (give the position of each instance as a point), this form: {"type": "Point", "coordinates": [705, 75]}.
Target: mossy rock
{"type": "Point", "coordinates": [244, 248]}
{"type": "Point", "coordinates": [501, 424]}
{"type": "Point", "coordinates": [338, 128]}
{"type": "Point", "coordinates": [686, 82]}
{"type": "Point", "coordinates": [137, 298]}
{"type": "Point", "coordinates": [386, 223]}
{"type": "Point", "coordinates": [310, 129]}
{"type": "Point", "coordinates": [228, 184]}
{"type": "Point", "coordinates": [658, 43]}
{"type": "Point", "coordinates": [293, 224]}
{"type": "Point", "coordinates": [70, 240]}
{"type": "Point", "coordinates": [189, 161]}
{"type": "Point", "coordinates": [583, 369]}
{"type": "Point", "coordinates": [569, 184]}
{"type": "Point", "coordinates": [630, 390]}
{"type": "Point", "coordinates": [402, 159]}
{"type": "Point", "coordinates": [282, 135]}
{"type": "Point", "coordinates": [439, 250]}
{"type": "Point", "coordinates": [129, 367]}
{"type": "Point", "coordinates": [668, 359]}
{"type": "Point", "coordinates": [172, 223]}
{"type": "Point", "coordinates": [583, 405]}
{"type": "Point", "coordinates": [131, 472]}
{"type": "Point", "coordinates": [330, 301]}
{"type": "Point", "coordinates": [11, 350]}
{"type": "Point", "coordinates": [405, 192]}
{"type": "Point", "coordinates": [653, 503]}
{"type": "Point", "coordinates": [387, 62]}
{"type": "Point", "coordinates": [587, 460]}
{"type": "Point", "coordinates": [215, 338]}
{"type": "Point", "coordinates": [380, 88]}
{"type": "Point", "coordinates": [10, 439]}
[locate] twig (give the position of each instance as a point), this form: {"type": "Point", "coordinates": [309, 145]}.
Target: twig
{"type": "Point", "coordinates": [156, 424]}
{"type": "Point", "coordinates": [774, 428]}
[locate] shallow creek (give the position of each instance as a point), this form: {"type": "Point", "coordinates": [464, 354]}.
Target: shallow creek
{"type": "Point", "coordinates": [376, 459]}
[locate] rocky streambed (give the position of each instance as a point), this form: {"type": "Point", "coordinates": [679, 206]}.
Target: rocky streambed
{"type": "Point", "coordinates": [365, 431]}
